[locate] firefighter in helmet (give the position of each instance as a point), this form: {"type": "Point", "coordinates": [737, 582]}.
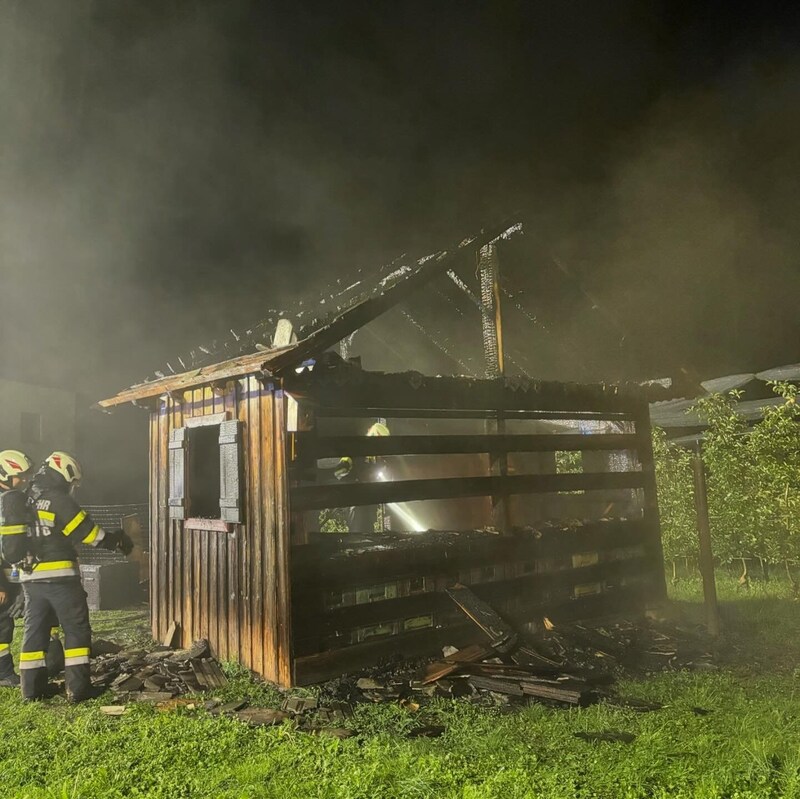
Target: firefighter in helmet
{"type": "Point", "coordinates": [51, 579]}
{"type": "Point", "coordinates": [365, 518]}
{"type": "Point", "coordinates": [15, 469]}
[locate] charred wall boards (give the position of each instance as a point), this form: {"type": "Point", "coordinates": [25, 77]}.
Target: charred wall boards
{"type": "Point", "coordinates": [255, 575]}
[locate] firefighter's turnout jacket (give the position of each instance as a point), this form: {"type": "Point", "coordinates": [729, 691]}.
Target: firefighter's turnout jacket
{"type": "Point", "coordinates": [52, 586]}
{"type": "Point", "coordinates": [15, 523]}
{"type": "Point", "coordinates": [59, 524]}
{"type": "Point", "coordinates": [14, 526]}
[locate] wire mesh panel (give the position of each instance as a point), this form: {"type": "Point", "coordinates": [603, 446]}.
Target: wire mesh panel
{"type": "Point", "coordinates": [110, 517]}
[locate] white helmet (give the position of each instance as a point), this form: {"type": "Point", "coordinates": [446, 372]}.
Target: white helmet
{"type": "Point", "coordinates": [65, 465]}
{"type": "Point", "coordinates": [14, 463]}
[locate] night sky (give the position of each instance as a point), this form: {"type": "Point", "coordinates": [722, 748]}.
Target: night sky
{"type": "Point", "coordinates": [169, 170]}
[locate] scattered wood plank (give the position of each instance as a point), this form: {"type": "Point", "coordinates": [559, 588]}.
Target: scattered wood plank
{"type": "Point", "coordinates": [568, 696]}
{"type": "Point", "coordinates": [441, 668]}
{"type": "Point", "coordinates": [208, 673]}
{"type": "Point", "coordinates": [261, 717]}
{"type": "Point", "coordinates": [170, 635]}
{"type": "Point", "coordinates": [525, 656]}
{"type": "Point", "coordinates": [501, 636]}
{"type": "Point", "coordinates": [497, 685]}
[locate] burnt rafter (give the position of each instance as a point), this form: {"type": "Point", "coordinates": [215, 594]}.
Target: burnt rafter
{"type": "Point", "coordinates": [319, 336]}
{"type": "Point", "coordinates": [387, 296]}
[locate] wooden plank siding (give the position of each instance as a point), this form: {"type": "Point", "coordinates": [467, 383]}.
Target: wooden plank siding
{"type": "Point", "coordinates": [235, 585]}
{"type": "Point", "coordinates": [229, 587]}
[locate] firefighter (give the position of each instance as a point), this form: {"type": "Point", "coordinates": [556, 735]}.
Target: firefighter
{"type": "Point", "coordinates": [365, 518]}
{"type": "Point", "coordinates": [15, 469]}
{"type": "Point", "coordinates": [51, 578]}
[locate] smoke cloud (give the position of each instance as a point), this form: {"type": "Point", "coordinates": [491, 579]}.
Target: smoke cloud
{"type": "Point", "coordinates": [169, 170]}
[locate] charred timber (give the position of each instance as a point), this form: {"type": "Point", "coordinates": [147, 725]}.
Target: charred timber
{"type": "Point", "coordinates": [343, 496]}
{"type": "Point", "coordinates": [312, 446]}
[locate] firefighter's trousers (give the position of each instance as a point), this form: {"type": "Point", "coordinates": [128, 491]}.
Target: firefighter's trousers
{"type": "Point", "coordinates": [6, 634]}
{"type": "Point", "coordinates": [66, 600]}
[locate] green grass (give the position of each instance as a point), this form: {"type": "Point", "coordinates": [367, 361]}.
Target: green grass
{"type": "Point", "coordinates": [747, 746]}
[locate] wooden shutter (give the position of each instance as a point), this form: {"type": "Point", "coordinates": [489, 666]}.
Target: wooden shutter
{"type": "Point", "coordinates": [177, 473]}
{"type": "Point", "coordinates": [230, 472]}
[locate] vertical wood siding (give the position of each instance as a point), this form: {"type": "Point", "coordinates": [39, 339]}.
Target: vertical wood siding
{"type": "Point", "coordinates": [229, 587]}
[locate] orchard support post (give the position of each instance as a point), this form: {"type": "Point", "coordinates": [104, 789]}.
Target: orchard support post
{"type": "Point", "coordinates": [704, 534]}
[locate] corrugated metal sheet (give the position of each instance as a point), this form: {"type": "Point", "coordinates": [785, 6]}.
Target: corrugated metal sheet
{"type": "Point", "coordinates": [721, 385]}
{"type": "Point", "coordinates": [791, 372]}
{"type": "Point", "coordinates": [678, 413]}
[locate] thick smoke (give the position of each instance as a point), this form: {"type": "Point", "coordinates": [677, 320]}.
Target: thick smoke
{"type": "Point", "coordinates": [170, 170]}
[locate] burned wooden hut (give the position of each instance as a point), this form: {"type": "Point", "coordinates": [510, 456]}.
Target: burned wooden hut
{"type": "Point", "coordinates": [538, 495]}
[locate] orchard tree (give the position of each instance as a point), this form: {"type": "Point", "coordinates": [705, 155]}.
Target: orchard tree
{"type": "Point", "coordinates": [774, 446]}
{"type": "Point", "coordinates": [675, 499]}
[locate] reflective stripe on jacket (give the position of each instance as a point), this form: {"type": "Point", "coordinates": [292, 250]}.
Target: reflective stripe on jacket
{"type": "Point", "coordinates": [51, 569]}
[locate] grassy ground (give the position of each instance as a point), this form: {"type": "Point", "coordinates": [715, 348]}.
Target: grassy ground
{"type": "Point", "coordinates": [748, 745]}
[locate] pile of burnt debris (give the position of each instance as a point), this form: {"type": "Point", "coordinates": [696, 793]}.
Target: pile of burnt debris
{"type": "Point", "coordinates": [136, 675]}
{"type": "Point", "coordinates": [569, 665]}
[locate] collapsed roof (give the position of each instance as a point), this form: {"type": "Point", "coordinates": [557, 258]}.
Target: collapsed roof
{"type": "Point", "coordinates": [355, 307]}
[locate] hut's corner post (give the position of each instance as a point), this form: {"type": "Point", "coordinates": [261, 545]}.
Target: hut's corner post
{"type": "Point", "coordinates": [276, 546]}
{"type": "Point", "coordinates": [155, 521]}
{"type": "Point", "coordinates": [283, 514]}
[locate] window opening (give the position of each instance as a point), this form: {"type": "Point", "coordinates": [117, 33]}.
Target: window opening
{"type": "Point", "coordinates": [204, 472]}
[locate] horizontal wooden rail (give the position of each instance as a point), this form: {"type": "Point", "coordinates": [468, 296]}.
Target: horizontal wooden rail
{"type": "Point", "coordinates": [393, 412]}
{"type": "Point", "coordinates": [347, 495]}
{"type": "Point", "coordinates": [310, 446]}
{"type": "Point", "coordinates": [330, 663]}
{"type": "Point", "coordinates": [531, 587]}
{"type": "Point", "coordinates": [322, 564]}
{"type": "Point", "coordinates": [353, 388]}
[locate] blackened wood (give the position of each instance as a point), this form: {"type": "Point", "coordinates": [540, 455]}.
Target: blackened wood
{"type": "Point", "coordinates": [501, 636]}
{"type": "Point", "coordinates": [310, 668]}
{"type": "Point", "coordinates": [325, 665]}
{"type": "Point", "coordinates": [580, 698]}
{"type": "Point", "coordinates": [313, 446]}
{"type": "Point", "coordinates": [368, 309]}
{"type": "Point", "coordinates": [526, 656]}
{"type": "Point", "coordinates": [347, 389]}
{"type": "Point", "coordinates": [342, 496]}
{"type": "Point", "coordinates": [394, 412]}
{"type": "Point", "coordinates": [324, 564]}
{"type": "Point", "coordinates": [497, 685]}
{"type": "Point", "coordinates": [438, 669]}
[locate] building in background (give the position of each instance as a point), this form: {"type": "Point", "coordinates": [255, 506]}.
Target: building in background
{"type": "Point", "coordinates": [37, 419]}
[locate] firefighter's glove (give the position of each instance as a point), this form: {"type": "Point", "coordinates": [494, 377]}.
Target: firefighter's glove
{"type": "Point", "coordinates": [17, 607]}
{"type": "Point", "coordinates": [118, 540]}
{"type": "Point", "coordinates": [125, 545]}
